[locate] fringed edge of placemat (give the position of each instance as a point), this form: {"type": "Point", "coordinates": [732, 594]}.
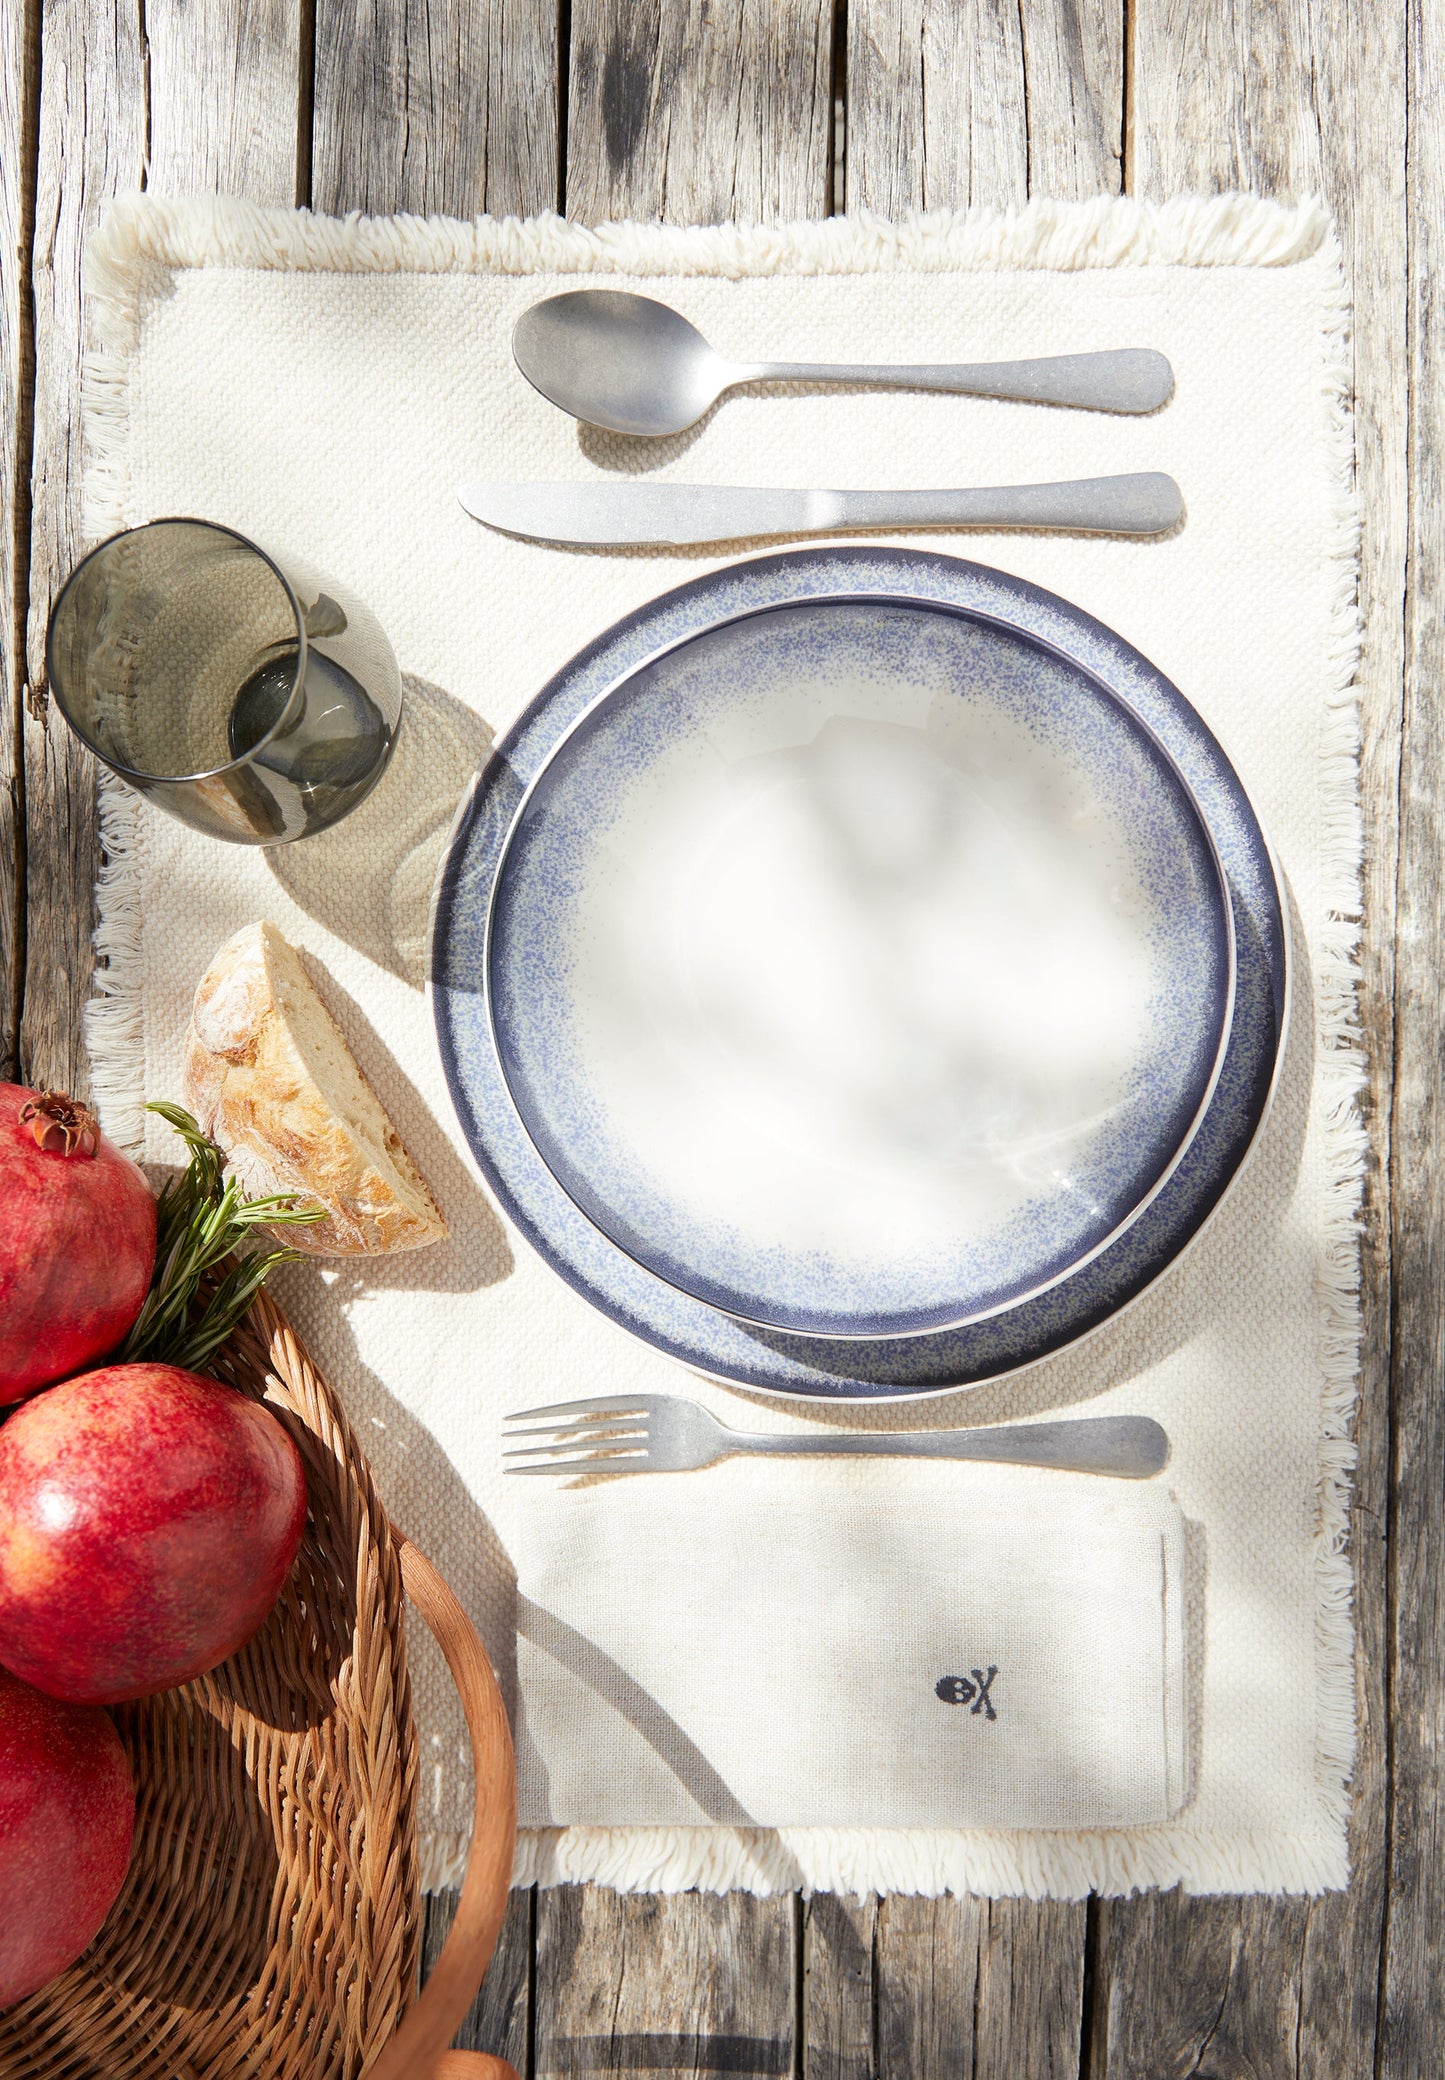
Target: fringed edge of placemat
{"type": "Point", "coordinates": [140, 232]}
{"type": "Point", "coordinates": [140, 236]}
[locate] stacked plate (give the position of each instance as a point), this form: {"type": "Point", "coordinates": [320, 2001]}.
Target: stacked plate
{"type": "Point", "coordinates": [859, 973]}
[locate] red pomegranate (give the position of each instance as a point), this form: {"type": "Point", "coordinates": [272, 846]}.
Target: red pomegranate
{"type": "Point", "coordinates": [67, 1809]}
{"type": "Point", "coordinates": [148, 1518]}
{"type": "Point", "coordinates": [77, 1240]}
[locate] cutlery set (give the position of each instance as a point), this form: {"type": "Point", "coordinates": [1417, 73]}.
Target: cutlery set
{"type": "Point", "coordinates": [631, 365]}
{"type": "Point", "coordinates": [611, 812]}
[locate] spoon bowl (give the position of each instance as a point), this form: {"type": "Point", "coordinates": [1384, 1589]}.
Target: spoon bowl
{"type": "Point", "coordinates": [633, 365]}
{"type": "Point", "coordinates": [620, 361]}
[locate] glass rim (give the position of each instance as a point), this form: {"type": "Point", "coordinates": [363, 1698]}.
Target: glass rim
{"type": "Point", "coordinates": [230, 765]}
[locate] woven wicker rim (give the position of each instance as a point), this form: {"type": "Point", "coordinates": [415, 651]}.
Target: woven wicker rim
{"type": "Point", "coordinates": [270, 1922]}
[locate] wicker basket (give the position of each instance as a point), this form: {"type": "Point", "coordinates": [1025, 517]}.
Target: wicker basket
{"type": "Point", "coordinates": [270, 1924]}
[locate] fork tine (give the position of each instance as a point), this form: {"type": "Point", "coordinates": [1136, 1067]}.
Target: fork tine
{"type": "Point", "coordinates": [596, 1464]}
{"type": "Point", "coordinates": [630, 1442]}
{"type": "Point", "coordinates": [604, 1425]}
{"type": "Point", "coordinates": [602, 1404]}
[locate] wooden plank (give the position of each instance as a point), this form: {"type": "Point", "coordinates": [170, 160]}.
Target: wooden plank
{"type": "Point", "coordinates": [899, 1988]}
{"type": "Point", "coordinates": [215, 123]}
{"type": "Point", "coordinates": [92, 143]}
{"type": "Point", "coordinates": [224, 91]}
{"type": "Point", "coordinates": [1289, 99]}
{"type": "Point", "coordinates": [435, 105]}
{"type": "Point", "coordinates": [690, 1982]}
{"type": "Point", "coordinates": [1412, 2034]}
{"type": "Point", "coordinates": [1196, 1986]}
{"type": "Point", "coordinates": [1358, 68]}
{"type": "Point", "coordinates": [957, 101]}
{"type": "Point", "coordinates": [221, 113]}
{"type": "Point", "coordinates": [499, 2021]}
{"type": "Point", "coordinates": [694, 114]}
{"type": "Point", "coordinates": [19, 92]}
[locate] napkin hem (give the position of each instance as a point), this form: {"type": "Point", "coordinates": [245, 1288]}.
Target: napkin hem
{"type": "Point", "coordinates": [1109, 231]}
{"type": "Point", "coordinates": [1229, 230]}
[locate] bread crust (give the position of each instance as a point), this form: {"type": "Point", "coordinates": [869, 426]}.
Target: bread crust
{"type": "Point", "coordinates": [247, 1079]}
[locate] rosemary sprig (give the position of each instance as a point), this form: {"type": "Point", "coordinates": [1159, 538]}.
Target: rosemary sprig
{"type": "Point", "coordinates": [200, 1221]}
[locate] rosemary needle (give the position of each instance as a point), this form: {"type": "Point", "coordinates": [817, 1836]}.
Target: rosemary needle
{"type": "Point", "coordinates": [201, 1221]}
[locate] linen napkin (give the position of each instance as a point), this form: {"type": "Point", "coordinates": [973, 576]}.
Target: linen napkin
{"type": "Point", "coordinates": [325, 386]}
{"type": "Point", "coordinates": [910, 1647]}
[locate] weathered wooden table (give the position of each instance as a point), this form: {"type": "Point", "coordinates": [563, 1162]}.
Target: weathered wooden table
{"type": "Point", "coordinates": [697, 111]}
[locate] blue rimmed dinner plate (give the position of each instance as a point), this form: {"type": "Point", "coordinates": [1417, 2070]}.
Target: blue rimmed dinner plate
{"type": "Point", "coordinates": [860, 966]}
{"type": "Point", "coordinates": [1067, 763]}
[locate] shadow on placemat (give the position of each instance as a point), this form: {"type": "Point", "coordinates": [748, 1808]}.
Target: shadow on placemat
{"type": "Point", "coordinates": [369, 878]}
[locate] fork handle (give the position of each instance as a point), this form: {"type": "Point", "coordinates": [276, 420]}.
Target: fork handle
{"type": "Point", "coordinates": [1129, 1447]}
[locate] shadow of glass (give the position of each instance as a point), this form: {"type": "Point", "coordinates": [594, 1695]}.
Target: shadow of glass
{"type": "Point", "coordinates": [369, 878]}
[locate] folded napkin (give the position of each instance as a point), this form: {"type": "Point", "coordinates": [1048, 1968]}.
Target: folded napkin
{"type": "Point", "coordinates": [906, 1646]}
{"type": "Point", "coordinates": [326, 386]}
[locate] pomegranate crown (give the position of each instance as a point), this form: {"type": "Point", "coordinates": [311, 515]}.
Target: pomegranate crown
{"type": "Point", "coordinates": [60, 1124]}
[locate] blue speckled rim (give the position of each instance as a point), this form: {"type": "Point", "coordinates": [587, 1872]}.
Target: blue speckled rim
{"type": "Point", "coordinates": [898, 1367]}
{"type": "Point", "coordinates": [863, 1319]}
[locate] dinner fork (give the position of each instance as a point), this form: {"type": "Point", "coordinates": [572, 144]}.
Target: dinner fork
{"type": "Point", "coordinates": [660, 1433]}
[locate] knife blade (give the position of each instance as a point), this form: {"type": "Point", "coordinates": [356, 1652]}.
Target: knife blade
{"type": "Point", "coordinates": [629, 515]}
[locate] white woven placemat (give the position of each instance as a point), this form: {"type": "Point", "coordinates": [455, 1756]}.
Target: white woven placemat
{"type": "Point", "coordinates": [324, 386]}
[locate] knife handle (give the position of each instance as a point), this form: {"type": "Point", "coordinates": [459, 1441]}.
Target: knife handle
{"type": "Point", "coordinates": [1147, 502]}
{"type": "Point", "coordinates": [1123, 379]}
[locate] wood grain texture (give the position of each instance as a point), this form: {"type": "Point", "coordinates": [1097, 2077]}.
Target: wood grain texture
{"type": "Point", "coordinates": [1290, 97]}
{"type": "Point", "coordinates": [959, 101]}
{"type": "Point", "coordinates": [500, 2018]}
{"type": "Point", "coordinates": [900, 1988]}
{"type": "Point", "coordinates": [214, 123]}
{"type": "Point", "coordinates": [1411, 2032]}
{"type": "Point", "coordinates": [224, 87]}
{"type": "Point", "coordinates": [690, 113]}
{"type": "Point", "coordinates": [1199, 1986]}
{"type": "Point", "coordinates": [435, 105]}
{"type": "Point", "coordinates": [1358, 67]}
{"type": "Point", "coordinates": [92, 143]}
{"type": "Point", "coordinates": [692, 1982]}
{"type": "Point", "coordinates": [19, 86]}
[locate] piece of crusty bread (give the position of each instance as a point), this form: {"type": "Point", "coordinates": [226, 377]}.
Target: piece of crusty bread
{"type": "Point", "coordinates": [271, 1080]}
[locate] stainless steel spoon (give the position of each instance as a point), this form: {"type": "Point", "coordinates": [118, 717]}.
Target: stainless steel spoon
{"type": "Point", "coordinates": [635, 366]}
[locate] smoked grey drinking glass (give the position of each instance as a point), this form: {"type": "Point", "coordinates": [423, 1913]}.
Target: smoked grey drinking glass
{"type": "Point", "coordinates": [245, 693]}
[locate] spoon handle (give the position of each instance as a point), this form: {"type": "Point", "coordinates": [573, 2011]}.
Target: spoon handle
{"type": "Point", "coordinates": [1126, 379]}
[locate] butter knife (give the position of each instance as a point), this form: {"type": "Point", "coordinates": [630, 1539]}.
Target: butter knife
{"type": "Point", "coordinates": [622, 515]}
